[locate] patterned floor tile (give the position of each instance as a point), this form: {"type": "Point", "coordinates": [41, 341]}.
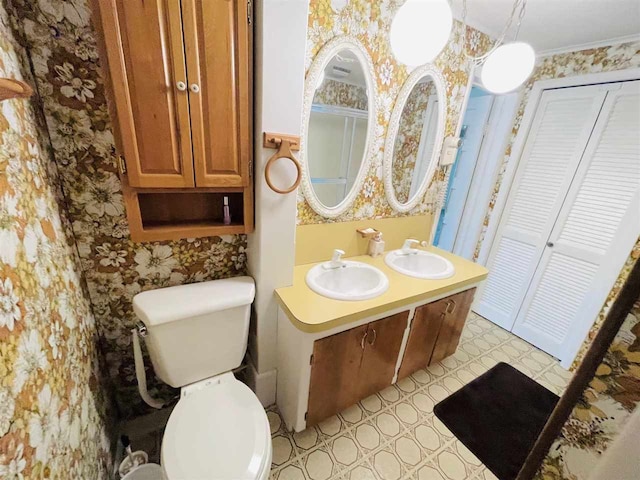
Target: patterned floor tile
{"type": "Point", "coordinates": [319, 464]}
{"type": "Point", "coordinates": [345, 450]}
{"type": "Point", "coordinates": [387, 465]}
{"type": "Point", "coordinates": [429, 472]}
{"type": "Point", "coordinates": [362, 471]}
{"type": "Point", "coordinates": [368, 436]}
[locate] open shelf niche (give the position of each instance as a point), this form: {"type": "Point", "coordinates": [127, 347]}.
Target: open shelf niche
{"type": "Point", "coordinates": [172, 214]}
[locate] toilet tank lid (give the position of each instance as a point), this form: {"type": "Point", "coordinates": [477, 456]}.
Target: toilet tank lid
{"type": "Point", "coordinates": [164, 305]}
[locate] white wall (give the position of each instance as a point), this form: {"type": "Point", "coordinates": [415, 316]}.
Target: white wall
{"type": "Point", "coordinates": [280, 36]}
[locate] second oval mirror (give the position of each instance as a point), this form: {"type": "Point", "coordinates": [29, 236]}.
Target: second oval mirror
{"type": "Point", "coordinates": [414, 139]}
{"type": "Point", "coordinates": [339, 122]}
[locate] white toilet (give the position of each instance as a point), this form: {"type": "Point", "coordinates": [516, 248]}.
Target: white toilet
{"type": "Point", "coordinates": [196, 334]}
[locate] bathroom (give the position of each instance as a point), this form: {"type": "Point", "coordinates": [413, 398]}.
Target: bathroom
{"type": "Point", "coordinates": [133, 204]}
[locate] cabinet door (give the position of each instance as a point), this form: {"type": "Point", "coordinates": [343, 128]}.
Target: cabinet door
{"type": "Point", "coordinates": [425, 328]}
{"type": "Point", "coordinates": [145, 51]}
{"type": "Point", "coordinates": [334, 373]}
{"type": "Point", "coordinates": [382, 347]}
{"type": "Point", "coordinates": [456, 311]}
{"type": "Point", "coordinates": [218, 43]}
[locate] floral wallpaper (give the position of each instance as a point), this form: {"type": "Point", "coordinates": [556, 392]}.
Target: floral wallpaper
{"type": "Point", "coordinates": [53, 407]}
{"type": "Point", "coordinates": [604, 59]}
{"type": "Point", "coordinates": [600, 414]}
{"type": "Point", "coordinates": [407, 144]}
{"type": "Point", "coordinates": [369, 22]}
{"type": "Point", "coordinates": [61, 41]}
{"type": "Point", "coordinates": [340, 94]}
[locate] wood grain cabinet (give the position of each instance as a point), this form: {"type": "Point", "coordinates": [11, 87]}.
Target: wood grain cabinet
{"type": "Point", "coordinates": [180, 75]}
{"type": "Point", "coordinates": [435, 331]}
{"type": "Point", "coordinates": [352, 365]}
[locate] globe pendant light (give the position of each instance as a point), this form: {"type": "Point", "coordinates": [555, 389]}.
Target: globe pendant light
{"type": "Point", "coordinates": [508, 67]}
{"type": "Point", "coordinates": [420, 30]}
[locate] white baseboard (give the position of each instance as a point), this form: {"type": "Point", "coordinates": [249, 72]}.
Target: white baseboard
{"type": "Point", "coordinates": [263, 384]}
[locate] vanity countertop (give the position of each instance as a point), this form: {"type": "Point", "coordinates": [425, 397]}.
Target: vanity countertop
{"type": "Point", "coordinates": [314, 313]}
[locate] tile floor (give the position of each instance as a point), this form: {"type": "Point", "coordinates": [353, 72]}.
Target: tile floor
{"type": "Point", "coordinates": [394, 434]}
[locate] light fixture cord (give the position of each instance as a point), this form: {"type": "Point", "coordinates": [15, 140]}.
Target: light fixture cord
{"type": "Point", "coordinates": [479, 59]}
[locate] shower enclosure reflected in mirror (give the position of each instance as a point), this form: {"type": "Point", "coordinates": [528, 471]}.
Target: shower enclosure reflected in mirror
{"type": "Point", "coordinates": [339, 118]}
{"type": "Point", "coordinates": [415, 138]}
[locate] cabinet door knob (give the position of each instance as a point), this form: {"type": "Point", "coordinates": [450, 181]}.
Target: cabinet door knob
{"type": "Point", "coordinates": [375, 337]}
{"type": "Point", "coordinates": [550, 244]}
{"type": "Point", "coordinates": [181, 86]}
{"type": "Point", "coordinates": [195, 88]}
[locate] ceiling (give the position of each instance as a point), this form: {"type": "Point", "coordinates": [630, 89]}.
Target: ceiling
{"type": "Point", "coordinates": [352, 69]}
{"type": "Point", "coordinates": [558, 25]}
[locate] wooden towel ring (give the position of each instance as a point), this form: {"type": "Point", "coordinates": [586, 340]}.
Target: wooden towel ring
{"type": "Point", "coordinates": [284, 151]}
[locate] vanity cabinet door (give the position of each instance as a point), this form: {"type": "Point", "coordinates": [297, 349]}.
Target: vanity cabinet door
{"type": "Point", "coordinates": [435, 331]}
{"type": "Point", "coordinates": [382, 347]}
{"type": "Point", "coordinates": [456, 311]}
{"type": "Point", "coordinates": [422, 337]}
{"type": "Point", "coordinates": [334, 373]}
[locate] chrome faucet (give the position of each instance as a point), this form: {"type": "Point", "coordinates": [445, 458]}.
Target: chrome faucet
{"type": "Point", "coordinates": [336, 260]}
{"type": "Point", "coordinates": [407, 246]}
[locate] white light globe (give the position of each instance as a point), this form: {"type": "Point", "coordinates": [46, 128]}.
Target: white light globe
{"type": "Point", "coordinates": [420, 30]}
{"type": "Point", "coordinates": [508, 67]}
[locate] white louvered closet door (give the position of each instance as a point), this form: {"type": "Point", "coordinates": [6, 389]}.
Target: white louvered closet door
{"type": "Point", "coordinates": [555, 144]}
{"type": "Point", "coordinates": [596, 229]}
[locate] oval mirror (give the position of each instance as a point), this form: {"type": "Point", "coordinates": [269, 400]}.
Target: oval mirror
{"type": "Point", "coordinates": [339, 114]}
{"type": "Point", "coordinates": [414, 139]}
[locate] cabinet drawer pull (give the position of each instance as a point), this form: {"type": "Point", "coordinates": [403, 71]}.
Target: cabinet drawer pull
{"type": "Point", "coordinates": [375, 337]}
{"type": "Point", "coordinates": [363, 339]}
{"type": "Point", "coordinates": [181, 86]}
{"type": "Point", "coordinates": [195, 88]}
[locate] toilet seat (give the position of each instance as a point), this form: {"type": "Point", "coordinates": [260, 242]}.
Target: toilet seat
{"type": "Point", "coordinates": [221, 432]}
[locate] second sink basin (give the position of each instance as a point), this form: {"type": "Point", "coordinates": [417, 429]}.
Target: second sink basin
{"type": "Point", "coordinates": [352, 281]}
{"type": "Point", "coordinates": [420, 264]}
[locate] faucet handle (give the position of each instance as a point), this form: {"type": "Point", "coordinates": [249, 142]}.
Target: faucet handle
{"type": "Point", "coordinates": [337, 255]}
{"type": "Point", "coordinates": [408, 244]}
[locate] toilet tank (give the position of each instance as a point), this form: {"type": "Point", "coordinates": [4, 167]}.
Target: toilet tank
{"type": "Point", "coordinates": [196, 331]}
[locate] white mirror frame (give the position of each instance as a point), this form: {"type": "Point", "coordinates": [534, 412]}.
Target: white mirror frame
{"type": "Point", "coordinates": [328, 51]}
{"type": "Point", "coordinates": [394, 125]}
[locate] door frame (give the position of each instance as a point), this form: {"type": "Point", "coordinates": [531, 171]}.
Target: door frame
{"type": "Point", "coordinates": [535, 95]}
{"type": "Point", "coordinates": [501, 118]}
{"type": "Point", "coordinates": [463, 108]}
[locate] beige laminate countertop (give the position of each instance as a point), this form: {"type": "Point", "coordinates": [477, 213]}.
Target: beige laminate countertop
{"type": "Point", "coordinates": [311, 312]}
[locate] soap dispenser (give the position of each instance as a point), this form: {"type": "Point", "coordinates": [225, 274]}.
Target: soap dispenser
{"type": "Point", "coordinates": [376, 245]}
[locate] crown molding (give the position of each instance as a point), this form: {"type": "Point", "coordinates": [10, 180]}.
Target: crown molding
{"type": "Point", "coordinates": [587, 46]}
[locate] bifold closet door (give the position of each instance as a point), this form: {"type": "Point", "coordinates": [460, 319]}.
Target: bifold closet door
{"type": "Point", "coordinates": [556, 142]}
{"type": "Point", "coordinates": [596, 229]}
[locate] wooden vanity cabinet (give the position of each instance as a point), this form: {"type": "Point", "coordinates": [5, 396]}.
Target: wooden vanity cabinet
{"type": "Point", "coordinates": [435, 331]}
{"type": "Point", "coordinates": [180, 75]}
{"type": "Point", "coordinates": [352, 365]}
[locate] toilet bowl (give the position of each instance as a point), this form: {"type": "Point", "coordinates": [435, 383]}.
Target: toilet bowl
{"type": "Point", "coordinates": [196, 334]}
{"type": "Point", "coordinates": [218, 430]}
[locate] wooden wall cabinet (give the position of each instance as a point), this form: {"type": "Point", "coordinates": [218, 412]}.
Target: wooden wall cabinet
{"type": "Point", "coordinates": [352, 365]}
{"type": "Point", "coordinates": [180, 74]}
{"type": "Point", "coordinates": [435, 331]}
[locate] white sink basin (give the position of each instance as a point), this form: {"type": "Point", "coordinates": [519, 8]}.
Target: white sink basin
{"type": "Point", "coordinates": [352, 281]}
{"type": "Point", "coordinates": [420, 264]}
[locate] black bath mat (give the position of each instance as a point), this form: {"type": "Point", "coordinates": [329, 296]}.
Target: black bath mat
{"type": "Point", "coordinates": [498, 416]}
